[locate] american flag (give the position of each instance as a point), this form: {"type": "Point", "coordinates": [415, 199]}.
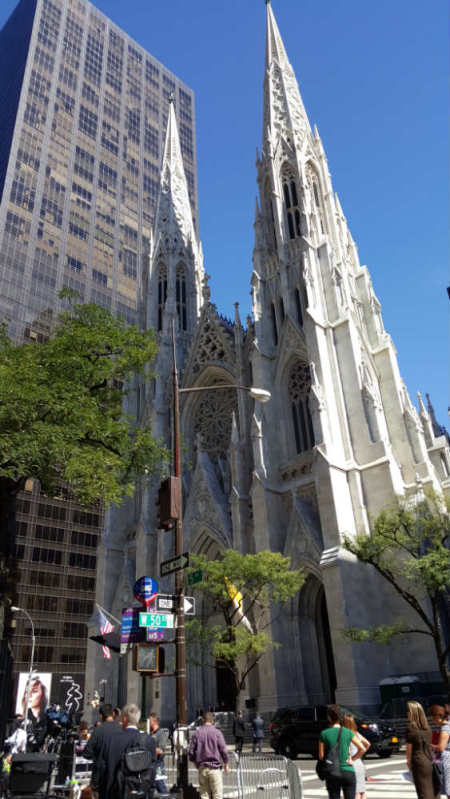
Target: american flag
{"type": "Point", "coordinates": [105, 627]}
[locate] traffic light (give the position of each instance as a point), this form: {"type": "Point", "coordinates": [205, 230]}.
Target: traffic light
{"type": "Point", "coordinates": [150, 659]}
{"type": "Point", "coordinates": [169, 501]}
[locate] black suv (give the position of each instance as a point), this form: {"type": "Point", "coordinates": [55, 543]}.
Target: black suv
{"type": "Point", "coordinates": [296, 730]}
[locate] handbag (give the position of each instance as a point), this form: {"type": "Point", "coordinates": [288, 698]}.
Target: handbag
{"type": "Point", "coordinates": [330, 765]}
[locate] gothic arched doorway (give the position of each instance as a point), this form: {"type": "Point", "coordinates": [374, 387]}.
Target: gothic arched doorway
{"type": "Point", "coordinates": [226, 688]}
{"type": "Point", "coordinates": [315, 643]}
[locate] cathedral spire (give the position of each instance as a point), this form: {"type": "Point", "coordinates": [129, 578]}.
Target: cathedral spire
{"type": "Point", "coordinates": [284, 112]}
{"type": "Point", "coordinates": [173, 212]}
{"type": "Point", "coordinates": [176, 259]}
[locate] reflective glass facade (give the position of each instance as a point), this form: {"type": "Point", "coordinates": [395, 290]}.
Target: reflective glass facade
{"type": "Point", "coordinates": [84, 113]}
{"type": "Point", "coordinates": [80, 152]}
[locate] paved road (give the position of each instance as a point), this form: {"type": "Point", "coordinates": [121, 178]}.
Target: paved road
{"type": "Point", "coordinates": [384, 780]}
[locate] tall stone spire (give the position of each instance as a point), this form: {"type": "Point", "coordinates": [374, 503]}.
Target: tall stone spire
{"type": "Point", "coordinates": [284, 112]}
{"type": "Point", "coordinates": [173, 212]}
{"type": "Point", "coordinates": [176, 259]}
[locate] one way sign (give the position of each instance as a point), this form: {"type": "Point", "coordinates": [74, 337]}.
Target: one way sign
{"type": "Point", "coordinates": [167, 603]}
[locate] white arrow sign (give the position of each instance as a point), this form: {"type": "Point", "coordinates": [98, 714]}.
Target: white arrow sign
{"type": "Point", "coordinates": [189, 605]}
{"type": "Point", "coordinates": [167, 603]}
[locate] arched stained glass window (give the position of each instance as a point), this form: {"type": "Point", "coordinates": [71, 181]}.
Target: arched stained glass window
{"type": "Point", "coordinates": [292, 209]}
{"type": "Point", "coordinates": [274, 323]}
{"type": "Point", "coordinates": [162, 293]}
{"type": "Point", "coordinates": [270, 219]}
{"type": "Point", "coordinates": [298, 305]}
{"type": "Point", "coordinates": [299, 385]}
{"type": "Point", "coordinates": [181, 296]}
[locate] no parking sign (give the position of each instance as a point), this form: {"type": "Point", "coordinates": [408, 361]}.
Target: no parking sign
{"type": "Point", "coordinates": [145, 590]}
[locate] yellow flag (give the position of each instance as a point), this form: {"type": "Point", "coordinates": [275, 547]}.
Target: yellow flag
{"type": "Point", "coordinates": [237, 600]}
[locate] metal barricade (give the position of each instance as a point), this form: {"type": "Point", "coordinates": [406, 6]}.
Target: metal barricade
{"type": "Point", "coordinates": [274, 775]}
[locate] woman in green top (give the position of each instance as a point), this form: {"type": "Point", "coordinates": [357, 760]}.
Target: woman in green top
{"type": "Point", "coordinates": [328, 738]}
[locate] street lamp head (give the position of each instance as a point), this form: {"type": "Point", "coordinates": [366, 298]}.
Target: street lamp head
{"type": "Point", "coordinates": [260, 394]}
{"type": "Point", "coordinates": [14, 608]}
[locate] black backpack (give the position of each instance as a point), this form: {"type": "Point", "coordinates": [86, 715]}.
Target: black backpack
{"type": "Point", "coordinates": [135, 777]}
{"type": "Point", "coordinates": [330, 765]}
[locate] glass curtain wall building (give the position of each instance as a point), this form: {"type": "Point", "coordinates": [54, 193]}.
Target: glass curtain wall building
{"type": "Point", "coordinates": [84, 113]}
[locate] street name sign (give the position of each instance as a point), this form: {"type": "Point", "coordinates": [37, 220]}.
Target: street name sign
{"type": "Point", "coordinates": [195, 577]}
{"type": "Point", "coordinates": [174, 564]}
{"type": "Point", "coordinates": [168, 603]}
{"type": "Point", "coordinates": [157, 621]}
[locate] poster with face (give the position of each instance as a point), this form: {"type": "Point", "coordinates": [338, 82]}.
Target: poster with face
{"type": "Point", "coordinates": [41, 683]}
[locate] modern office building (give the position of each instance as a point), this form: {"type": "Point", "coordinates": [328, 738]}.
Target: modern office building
{"type": "Point", "coordinates": [84, 113]}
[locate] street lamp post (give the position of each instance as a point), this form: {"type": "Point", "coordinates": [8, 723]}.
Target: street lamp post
{"type": "Point", "coordinates": [28, 687]}
{"type": "Point", "coordinates": [180, 643]}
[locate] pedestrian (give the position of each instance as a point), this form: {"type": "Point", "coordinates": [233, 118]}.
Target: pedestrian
{"type": "Point", "coordinates": [115, 750]}
{"type": "Point", "coordinates": [17, 739]}
{"type": "Point", "coordinates": [258, 732]}
{"type": "Point", "coordinates": [360, 771]}
{"type": "Point", "coordinates": [418, 751]}
{"type": "Point", "coordinates": [160, 738]}
{"type": "Point", "coordinates": [239, 732]}
{"type": "Point", "coordinates": [208, 751]}
{"type": "Point", "coordinates": [94, 747]}
{"type": "Point", "coordinates": [328, 739]}
{"type": "Point", "coordinates": [444, 750]}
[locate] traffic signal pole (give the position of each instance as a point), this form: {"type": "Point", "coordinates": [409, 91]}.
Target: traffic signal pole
{"type": "Point", "coordinates": [180, 642]}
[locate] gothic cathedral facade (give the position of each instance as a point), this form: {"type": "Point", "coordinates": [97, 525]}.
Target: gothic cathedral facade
{"type": "Point", "coordinates": [339, 440]}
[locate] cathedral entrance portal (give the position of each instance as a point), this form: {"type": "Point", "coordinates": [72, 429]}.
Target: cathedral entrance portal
{"type": "Point", "coordinates": [315, 643]}
{"type": "Point", "coordinates": [226, 688]}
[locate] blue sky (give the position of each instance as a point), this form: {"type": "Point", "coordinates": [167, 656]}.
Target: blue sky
{"type": "Point", "coordinates": [373, 77]}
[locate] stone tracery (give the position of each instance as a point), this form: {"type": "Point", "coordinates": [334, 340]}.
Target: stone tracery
{"type": "Point", "coordinates": [213, 420]}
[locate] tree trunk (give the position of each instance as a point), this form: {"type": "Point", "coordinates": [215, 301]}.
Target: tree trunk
{"type": "Point", "coordinates": [442, 659]}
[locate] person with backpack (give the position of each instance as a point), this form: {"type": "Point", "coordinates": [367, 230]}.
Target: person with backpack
{"type": "Point", "coordinates": [334, 756]}
{"type": "Point", "coordinates": [130, 760]}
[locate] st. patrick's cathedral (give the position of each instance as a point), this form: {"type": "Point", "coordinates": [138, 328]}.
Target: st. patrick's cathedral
{"type": "Point", "coordinates": [338, 441]}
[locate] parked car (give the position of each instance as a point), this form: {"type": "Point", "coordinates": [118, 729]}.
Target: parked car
{"type": "Point", "coordinates": [296, 730]}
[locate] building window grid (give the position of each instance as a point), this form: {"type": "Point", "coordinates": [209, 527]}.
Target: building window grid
{"type": "Point", "coordinates": [68, 102]}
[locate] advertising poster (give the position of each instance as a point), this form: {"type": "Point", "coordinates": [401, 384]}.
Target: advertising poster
{"type": "Point", "coordinates": [68, 692]}
{"type": "Point", "coordinates": [41, 684]}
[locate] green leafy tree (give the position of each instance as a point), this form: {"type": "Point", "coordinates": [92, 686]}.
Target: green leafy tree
{"type": "Point", "coordinates": [61, 417]}
{"type": "Point", "coordinates": [264, 581]}
{"type": "Point", "coordinates": [409, 546]}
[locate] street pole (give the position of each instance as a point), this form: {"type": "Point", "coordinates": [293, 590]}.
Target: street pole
{"type": "Point", "coordinates": [28, 688]}
{"type": "Point", "coordinates": [180, 643]}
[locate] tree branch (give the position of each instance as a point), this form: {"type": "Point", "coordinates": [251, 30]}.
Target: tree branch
{"type": "Point", "coordinates": [409, 598]}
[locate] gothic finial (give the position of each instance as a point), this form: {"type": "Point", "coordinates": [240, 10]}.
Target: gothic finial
{"type": "Point", "coordinates": [206, 291]}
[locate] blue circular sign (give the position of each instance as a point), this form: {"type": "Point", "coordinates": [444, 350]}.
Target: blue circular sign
{"type": "Point", "coordinates": [145, 589]}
